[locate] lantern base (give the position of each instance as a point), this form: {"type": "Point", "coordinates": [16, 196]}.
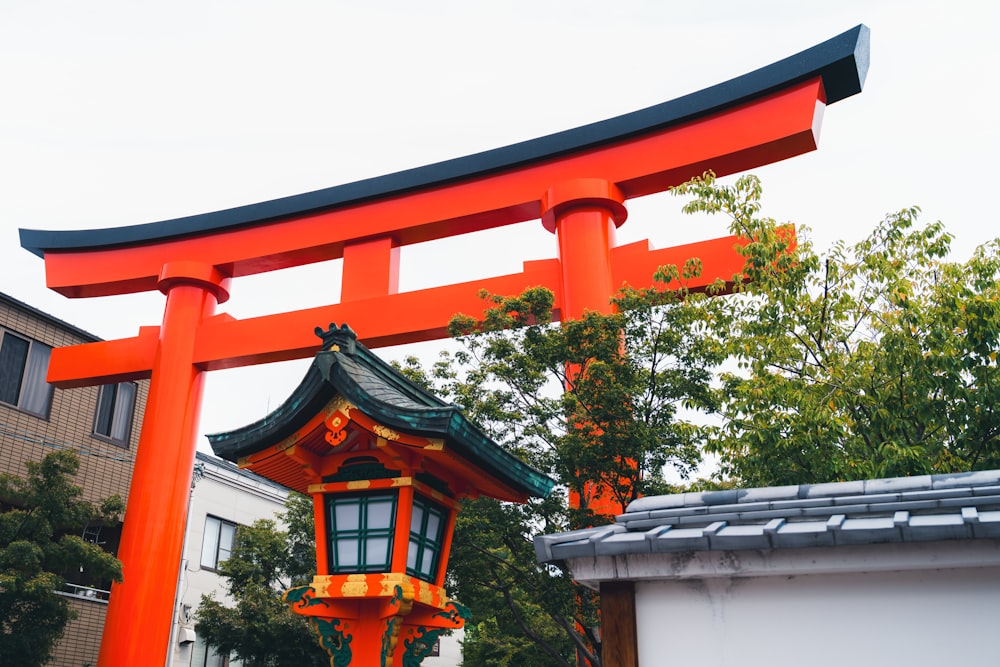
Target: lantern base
{"type": "Point", "coordinates": [385, 619]}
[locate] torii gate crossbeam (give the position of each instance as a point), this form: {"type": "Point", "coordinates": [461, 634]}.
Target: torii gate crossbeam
{"type": "Point", "coordinates": [575, 181]}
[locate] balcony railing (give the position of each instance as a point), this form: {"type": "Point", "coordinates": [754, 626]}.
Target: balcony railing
{"type": "Point", "coordinates": [85, 593]}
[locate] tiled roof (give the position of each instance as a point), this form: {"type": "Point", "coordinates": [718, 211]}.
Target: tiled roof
{"type": "Point", "coordinates": [347, 368]}
{"type": "Point", "coordinates": [234, 469]}
{"type": "Point", "coordinates": [17, 303]}
{"type": "Point", "coordinates": [903, 509]}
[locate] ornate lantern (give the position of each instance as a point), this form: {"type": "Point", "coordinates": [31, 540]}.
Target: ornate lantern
{"type": "Point", "coordinates": [386, 464]}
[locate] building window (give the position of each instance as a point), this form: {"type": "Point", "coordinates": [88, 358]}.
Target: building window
{"type": "Point", "coordinates": [220, 537]}
{"type": "Point", "coordinates": [426, 536]}
{"type": "Point", "coordinates": [361, 532]}
{"type": "Point", "coordinates": [205, 656]}
{"type": "Point", "coordinates": [23, 366]}
{"type": "Point", "coordinates": [115, 406]}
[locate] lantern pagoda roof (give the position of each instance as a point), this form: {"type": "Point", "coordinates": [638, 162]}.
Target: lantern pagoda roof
{"type": "Point", "coordinates": [380, 402]}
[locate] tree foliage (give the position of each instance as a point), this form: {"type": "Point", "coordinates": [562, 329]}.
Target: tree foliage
{"type": "Point", "coordinates": [259, 628]}
{"type": "Point", "coordinates": [591, 400]}
{"type": "Point", "coordinates": [595, 403]}
{"type": "Point", "coordinates": [40, 531]}
{"type": "Point", "coordinates": [876, 359]}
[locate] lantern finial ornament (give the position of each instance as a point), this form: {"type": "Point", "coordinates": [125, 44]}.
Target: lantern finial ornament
{"type": "Point", "coordinates": [339, 339]}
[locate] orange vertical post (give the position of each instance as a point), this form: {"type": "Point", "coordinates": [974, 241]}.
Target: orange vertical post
{"type": "Point", "coordinates": [319, 518]}
{"type": "Point", "coordinates": [401, 537]}
{"type": "Point", "coordinates": [584, 213]}
{"type": "Point", "coordinates": [137, 628]}
{"type": "Point", "coordinates": [449, 534]}
{"type": "Point", "coordinates": [371, 269]}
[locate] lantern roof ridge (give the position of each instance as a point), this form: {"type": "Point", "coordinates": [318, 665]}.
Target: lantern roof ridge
{"type": "Point", "coordinates": [841, 62]}
{"type": "Point", "coordinates": [349, 369]}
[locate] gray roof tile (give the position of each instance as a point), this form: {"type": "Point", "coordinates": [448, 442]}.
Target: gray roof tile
{"type": "Point", "coordinates": [770, 493]}
{"type": "Point", "coordinates": [893, 484]}
{"type": "Point", "coordinates": [913, 509]}
{"type": "Point", "coordinates": [624, 543]}
{"type": "Point", "coordinates": [966, 479]}
{"type": "Point", "coordinates": [831, 489]}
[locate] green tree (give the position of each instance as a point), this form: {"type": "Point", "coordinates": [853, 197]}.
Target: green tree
{"type": "Point", "coordinates": [596, 403]}
{"type": "Point", "coordinates": [259, 628]}
{"type": "Point", "coordinates": [877, 360]}
{"type": "Point", "coordinates": [40, 530]}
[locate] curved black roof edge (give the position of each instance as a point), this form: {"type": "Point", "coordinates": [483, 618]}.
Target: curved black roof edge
{"type": "Point", "coordinates": [842, 62]}
{"type": "Point", "coordinates": [308, 398]}
{"type": "Point", "coordinates": [335, 371]}
{"type": "Point", "coordinates": [446, 421]}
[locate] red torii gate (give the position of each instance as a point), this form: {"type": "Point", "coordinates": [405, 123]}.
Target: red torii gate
{"type": "Point", "coordinates": [575, 181]}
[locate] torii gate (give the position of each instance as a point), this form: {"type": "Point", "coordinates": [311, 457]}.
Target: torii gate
{"type": "Point", "coordinates": [575, 181]}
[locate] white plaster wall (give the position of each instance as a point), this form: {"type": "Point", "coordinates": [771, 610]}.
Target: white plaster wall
{"type": "Point", "coordinates": [912, 618]}
{"type": "Point", "coordinates": [226, 495]}
{"type": "Point", "coordinates": [451, 652]}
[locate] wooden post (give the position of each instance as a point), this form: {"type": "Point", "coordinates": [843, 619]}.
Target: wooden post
{"type": "Point", "coordinates": [619, 638]}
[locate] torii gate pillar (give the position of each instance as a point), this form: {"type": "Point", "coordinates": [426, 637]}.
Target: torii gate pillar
{"type": "Point", "coordinates": [584, 214]}
{"type": "Point", "coordinates": [161, 478]}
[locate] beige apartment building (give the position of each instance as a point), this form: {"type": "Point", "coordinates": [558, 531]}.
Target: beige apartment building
{"type": "Point", "coordinates": [100, 423]}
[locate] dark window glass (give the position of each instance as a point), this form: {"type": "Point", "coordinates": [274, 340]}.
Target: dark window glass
{"type": "Point", "coordinates": [23, 367]}
{"type": "Point", "coordinates": [219, 540]}
{"type": "Point", "coordinates": [13, 356]}
{"type": "Point", "coordinates": [115, 407]}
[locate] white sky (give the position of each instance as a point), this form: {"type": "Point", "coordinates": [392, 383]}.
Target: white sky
{"type": "Point", "coordinates": [116, 113]}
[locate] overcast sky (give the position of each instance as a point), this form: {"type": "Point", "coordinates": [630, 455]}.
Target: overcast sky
{"type": "Point", "coordinates": [117, 113]}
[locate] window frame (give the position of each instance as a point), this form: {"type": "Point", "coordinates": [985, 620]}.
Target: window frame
{"type": "Point", "coordinates": [115, 413]}
{"type": "Point", "coordinates": [217, 538]}
{"type": "Point", "coordinates": [203, 655]}
{"type": "Point", "coordinates": [36, 353]}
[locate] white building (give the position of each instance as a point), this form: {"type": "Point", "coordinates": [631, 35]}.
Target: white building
{"type": "Point", "coordinates": [223, 498]}
{"type": "Point", "coordinates": [901, 571]}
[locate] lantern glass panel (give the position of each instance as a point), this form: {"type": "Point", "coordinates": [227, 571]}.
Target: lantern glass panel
{"type": "Point", "coordinates": [360, 532]}
{"type": "Point", "coordinates": [347, 516]}
{"type": "Point", "coordinates": [347, 553]}
{"type": "Point", "coordinates": [377, 550]}
{"type": "Point", "coordinates": [411, 555]}
{"type": "Point", "coordinates": [433, 523]}
{"type": "Point", "coordinates": [426, 539]}
{"type": "Point", "coordinates": [380, 513]}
